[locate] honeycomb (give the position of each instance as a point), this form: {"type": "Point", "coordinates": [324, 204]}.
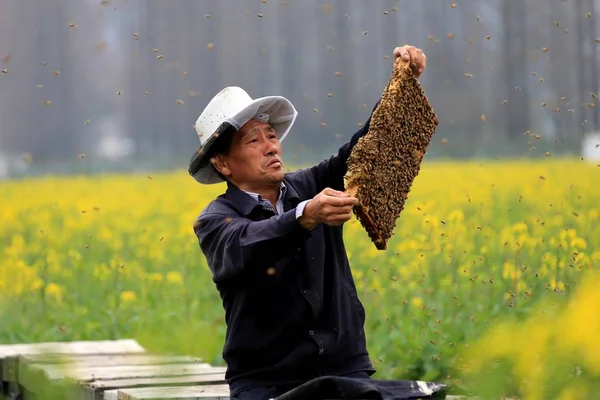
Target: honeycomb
{"type": "Point", "coordinates": [386, 160]}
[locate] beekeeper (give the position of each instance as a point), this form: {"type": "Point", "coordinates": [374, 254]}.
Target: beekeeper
{"type": "Point", "coordinates": [274, 244]}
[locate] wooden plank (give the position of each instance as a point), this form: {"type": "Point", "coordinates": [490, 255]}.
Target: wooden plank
{"type": "Point", "coordinates": [159, 381]}
{"type": "Point", "coordinates": [96, 390]}
{"type": "Point", "coordinates": [7, 350]}
{"type": "Point", "coordinates": [40, 361]}
{"type": "Point", "coordinates": [32, 374]}
{"type": "Point", "coordinates": [99, 360]}
{"type": "Point", "coordinates": [10, 355]}
{"type": "Point", "coordinates": [79, 347]}
{"type": "Point", "coordinates": [56, 372]}
{"type": "Point", "coordinates": [142, 371]}
{"type": "Point", "coordinates": [10, 361]}
{"type": "Point", "coordinates": [111, 394]}
{"type": "Point", "coordinates": [205, 392]}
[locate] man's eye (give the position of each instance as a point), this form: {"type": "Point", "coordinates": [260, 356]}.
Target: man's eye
{"type": "Point", "coordinates": [253, 140]}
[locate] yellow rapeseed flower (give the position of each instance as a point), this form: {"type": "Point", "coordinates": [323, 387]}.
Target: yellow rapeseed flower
{"type": "Point", "coordinates": [477, 242]}
{"type": "Point", "coordinates": [556, 285]}
{"type": "Point", "coordinates": [155, 277]}
{"type": "Point", "coordinates": [54, 291]}
{"type": "Point", "coordinates": [510, 271]}
{"type": "Point", "coordinates": [578, 243]}
{"type": "Point", "coordinates": [128, 296]}
{"type": "Point", "coordinates": [416, 302]}
{"type": "Point", "coordinates": [175, 277]}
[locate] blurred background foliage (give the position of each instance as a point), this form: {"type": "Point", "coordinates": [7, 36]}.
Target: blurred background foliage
{"type": "Point", "coordinates": [123, 81]}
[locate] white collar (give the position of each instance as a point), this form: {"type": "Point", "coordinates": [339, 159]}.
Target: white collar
{"type": "Point", "coordinates": [257, 197]}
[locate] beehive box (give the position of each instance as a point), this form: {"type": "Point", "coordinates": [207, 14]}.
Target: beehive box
{"type": "Point", "coordinates": [386, 160]}
{"type": "Point", "coordinates": [105, 370]}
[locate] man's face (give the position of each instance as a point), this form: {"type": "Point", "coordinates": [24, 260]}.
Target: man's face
{"type": "Point", "coordinates": [254, 158]}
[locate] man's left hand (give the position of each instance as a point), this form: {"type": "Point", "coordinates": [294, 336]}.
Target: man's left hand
{"type": "Point", "coordinates": [417, 58]}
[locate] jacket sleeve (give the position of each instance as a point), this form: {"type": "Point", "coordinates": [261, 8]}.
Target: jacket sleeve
{"type": "Point", "coordinates": [233, 245]}
{"type": "Point", "coordinates": [330, 172]}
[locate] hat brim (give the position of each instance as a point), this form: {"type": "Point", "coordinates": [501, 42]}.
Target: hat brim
{"type": "Point", "coordinates": [282, 116]}
{"type": "Point", "coordinates": [200, 167]}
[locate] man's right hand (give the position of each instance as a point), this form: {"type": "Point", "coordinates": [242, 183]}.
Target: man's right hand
{"type": "Point", "coordinates": [330, 207]}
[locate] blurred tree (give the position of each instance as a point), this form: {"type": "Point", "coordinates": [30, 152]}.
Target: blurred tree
{"type": "Point", "coordinates": [560, 72]}
{"type": "Point", "coordinates": [481, 56]}
{"type": "Point", "coordinates": [593, 38]}
{"type": "Point", "coordinates": [587, 72]}
{"type": "Point", "coordinates": [516, 67]}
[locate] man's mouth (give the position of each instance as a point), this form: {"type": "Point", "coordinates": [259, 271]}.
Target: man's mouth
{"type": "Point", "coordinates": [274, 163]}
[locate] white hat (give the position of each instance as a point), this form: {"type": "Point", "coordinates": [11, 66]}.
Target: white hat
{"type": "Point", "coordinates": [233, 107]}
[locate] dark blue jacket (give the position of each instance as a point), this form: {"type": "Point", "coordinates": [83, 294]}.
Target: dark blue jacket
{"type": "Point", "coordinates": [291, 306]}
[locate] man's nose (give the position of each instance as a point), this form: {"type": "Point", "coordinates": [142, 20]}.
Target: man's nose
{"type": "Point", "coordinates": [270, 147]}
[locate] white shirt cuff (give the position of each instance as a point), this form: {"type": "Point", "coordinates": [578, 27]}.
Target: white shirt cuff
{"type": "Point", "coordinates": [300, 208]}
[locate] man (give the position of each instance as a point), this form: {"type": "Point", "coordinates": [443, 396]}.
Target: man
{"type": "Point", "coordinates": [274, 244]}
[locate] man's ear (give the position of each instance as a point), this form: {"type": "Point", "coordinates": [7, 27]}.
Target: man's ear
{"type": "Point", "coordinates": [220, 164]}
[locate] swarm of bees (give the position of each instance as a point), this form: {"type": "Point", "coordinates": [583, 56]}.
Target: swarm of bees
{"type": "Point", "coordinates": [384, 163]}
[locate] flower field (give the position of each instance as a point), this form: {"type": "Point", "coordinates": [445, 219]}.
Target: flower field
{"type": "Point", "coordinates": [491, 261]}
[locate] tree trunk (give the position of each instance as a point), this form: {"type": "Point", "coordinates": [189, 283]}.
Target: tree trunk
{"type": "Point", "coordinates": [594, 71]}
{"type": "Point", "coordinates": [515, 67]}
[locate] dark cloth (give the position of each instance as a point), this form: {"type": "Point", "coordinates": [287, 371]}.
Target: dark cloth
{"type": "Point", "coordinates": [271, 392]}
{"type": "Point", "coordinates": [291, 307]}
{"type": "Point", "coordinates": [335, 387]}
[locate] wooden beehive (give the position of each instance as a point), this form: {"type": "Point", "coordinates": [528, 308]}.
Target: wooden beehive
{"type": "Point", "coordinates": [384, 163]}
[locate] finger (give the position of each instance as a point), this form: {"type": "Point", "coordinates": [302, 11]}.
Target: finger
{"type": "Point", "coordinates": [418, 57]}
{"type": "Point", "coordinates": [342, 201]}
{"type": "Point", "coordinates": [336, 193]}
{"type": "Point", "coordinates": [339, 219]}
{"type": "Point", "coordinates": [339, 201]}
{"type": "Point", "coordinates": [331, 210]}
{"type": "Point", "coordinates": [331, 215]}
{"type": "Point", "coordinates": [401, 52]}
{"type": "Point", "coordinates": [336, 212]}
{"type": "Point", "coordinates": [414, 55]}
{"type": "Point", "coordinates": [344, 217]}
{"type": "Point", "coordinates": [405, 54]}
{"type": "Point", "coordinates": [398, 51]}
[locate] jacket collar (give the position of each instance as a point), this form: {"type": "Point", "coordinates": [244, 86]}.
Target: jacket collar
{"type": "Point", "coordinates": [258, 197]}
{"type": "Point", "coordinates": [247, 203]}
